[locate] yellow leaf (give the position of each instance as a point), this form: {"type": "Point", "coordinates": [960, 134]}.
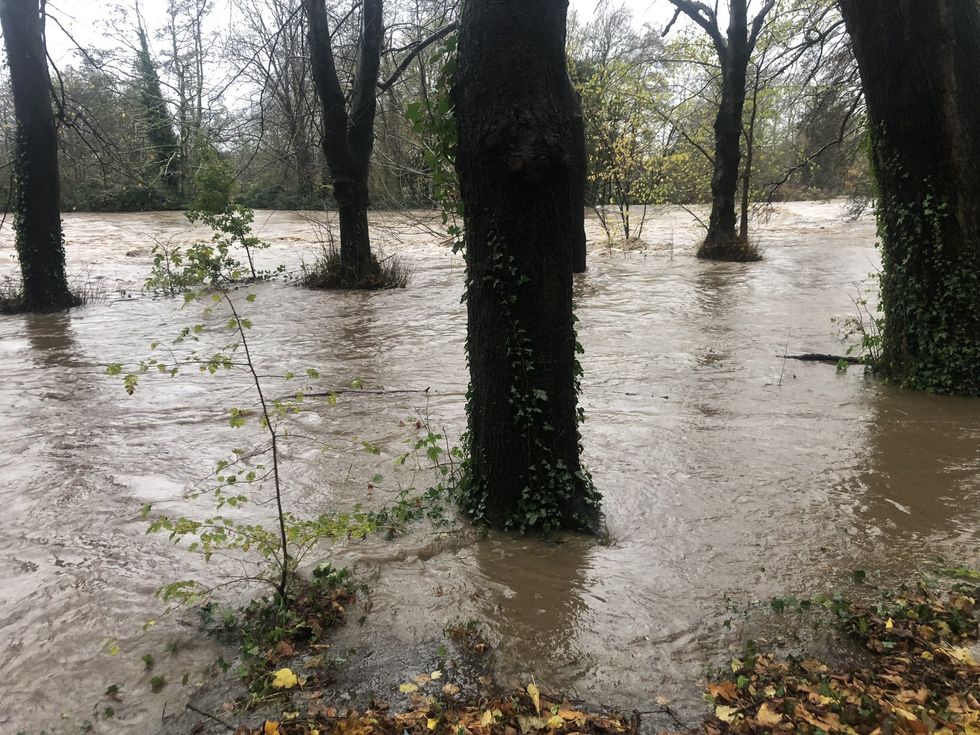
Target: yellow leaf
{"type": "Point", "coordinates": [284, 679]}
{"type": "Point", "coordinates": [432, 724]}
{"type": "Point", "coordinates": [435, 675]}
{"type": "Point", "coordinates": [927, 656]}
{"type": "Point", "coordinates": [963, 655]}
{"type": "Point", "coordinates": [487, 719]}
{"type": "Point", "coordinates": [556, 722]}
{"type": "Point", "coordinates": [535, 693]}
{"type": "Point", "coordinates": [766, 716]}
{"type": "Point", "coordinates": [889, 624]}
{"type": "Point", "coordinates": [407, 688]}
{"type": "Point", "coordinates": [271, 728]}
{"type": "Point", "coordinates": [726, 714]}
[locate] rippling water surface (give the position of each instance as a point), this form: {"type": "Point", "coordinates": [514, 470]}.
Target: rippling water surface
{"type": "Point", "coordinates": [729, 473]}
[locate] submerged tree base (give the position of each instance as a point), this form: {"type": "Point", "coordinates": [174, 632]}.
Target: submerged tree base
{"type": "Point", "coordinates": [729, 250]}
{"type": "Point", "coordinates": [328, 272]}
{"type": "Point", "coordinates": [12, 301]}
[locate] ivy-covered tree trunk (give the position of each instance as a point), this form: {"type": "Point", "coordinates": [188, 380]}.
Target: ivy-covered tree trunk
{"type": "Point", "coordinates": [162, 140]}
{"type": "Point", "coordinates": [919, 65]}
{"type": "Point", "coordinates": [521, 189]}
{"type": "Point", "coordinates": [40, 243]}
{"type": "Point", "coordinates": [348, 139]}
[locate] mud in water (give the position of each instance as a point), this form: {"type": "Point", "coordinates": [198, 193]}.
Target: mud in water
{"type": "Point", "coordinates": [730, 474]}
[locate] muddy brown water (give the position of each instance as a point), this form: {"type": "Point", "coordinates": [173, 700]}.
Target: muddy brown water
{"type": "Point", "coordinates": [730, 475]}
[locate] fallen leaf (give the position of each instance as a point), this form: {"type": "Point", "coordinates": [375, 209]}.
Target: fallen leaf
{"type": "Point", "coordinates": [726, 691]}
{"type": "Point", "coordinates": [487, 719]}
{"type": "Point", "coordinates": [284, 679]}
{"type": "Point", "coordinates": [271, 728]}
{"type": "Point", "coordinates": [726, 714]}
{"type": "Point", "coordinates": [432, 723]}
{"type": "Point", "coordinates": [535, 693]}
{"type": "Point", "coordinates": [450, 689]}
{"type": "Point", "coordinates": [963, 655]}
{"type": "Point", "coordinates": [435, 675]}
{"type": "Point", "coordinates": [408, 687]}
{"type": "Point", "coordinates": [556, 722]}
{"type": "Point", "coordinates": [766, 716]}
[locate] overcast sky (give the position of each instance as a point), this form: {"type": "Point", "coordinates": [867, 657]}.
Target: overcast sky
{"type": "Point", "coordinates": [86, 20]}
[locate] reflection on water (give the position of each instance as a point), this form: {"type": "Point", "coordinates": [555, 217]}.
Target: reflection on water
{"type": "Point", "coordinates": [727, 471]}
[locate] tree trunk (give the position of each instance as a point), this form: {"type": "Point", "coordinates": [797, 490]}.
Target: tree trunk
{"type": "Point", "coordinates": [743, 221]}
{"type": "Point", "coordinates": [40, 243]}
{"type": "Point", "coordinates": [522, 195]}
{"type": "Point", "coordinates": [348, 139]}
{"type": "Point", "coordinates": [722, 241]}
{"type": "Point", "coordinates": [580, 247]}
{"type": "Point", "coordinates": [355, 238]}
{"type": "Point", "coordinates": [918, 64]}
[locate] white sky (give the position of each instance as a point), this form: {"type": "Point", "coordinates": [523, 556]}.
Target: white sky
{"type": "Point", "coordinates": [87, 20]}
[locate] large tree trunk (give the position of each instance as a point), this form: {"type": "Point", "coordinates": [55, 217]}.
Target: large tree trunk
{"type": "Point", "coordinates": [40, 244]}
{"type": "Point", "coordinates": [919, 67]}
{"type": "Point", "coordinates": [520, 186]}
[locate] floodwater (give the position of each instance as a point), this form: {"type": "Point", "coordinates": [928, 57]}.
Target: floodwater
{"type": "Point", "coordinates": [730, 474]}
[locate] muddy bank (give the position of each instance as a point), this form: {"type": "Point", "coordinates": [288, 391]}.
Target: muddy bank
{"type": "Point", "coordinates": [729, 475]}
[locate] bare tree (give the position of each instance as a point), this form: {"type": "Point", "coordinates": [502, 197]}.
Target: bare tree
{"type": "Point", "coordinates": [734, 49]}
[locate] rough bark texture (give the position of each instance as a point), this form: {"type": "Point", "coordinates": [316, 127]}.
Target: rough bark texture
{"type": "Point", "coordinates": [40, 245]}
{"type": "Point", "coordinates": [348, 139]}
{"type": "Point", "coordinates": [919, 65]}
{"type": "Point", "coordinates": [522, 193]}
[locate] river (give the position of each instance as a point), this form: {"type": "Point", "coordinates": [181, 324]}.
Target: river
{"type": "Point", "coordinates": [730, 474]}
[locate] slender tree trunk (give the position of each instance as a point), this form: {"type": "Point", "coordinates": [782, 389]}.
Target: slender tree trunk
{"type": "Point", "coordinates": [40, 243]}
{"type": "Point", "coordinates": [734, 53]}
{"type": "Point", "coordinates": [743, 221]}
{"type": "Point", "coordinates": [580, 248]}
{"type": "Point", "coordinates": [919, 66]}
{"type": "Point", "coordinates": [722, 242]}
{"type": "Point", "coordinates": [522, 194]}
{"type": "Point", "coordinates": [348, 139]}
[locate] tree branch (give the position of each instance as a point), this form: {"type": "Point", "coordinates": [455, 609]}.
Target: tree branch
{"type": "Point", "coordinates": [419, 48]}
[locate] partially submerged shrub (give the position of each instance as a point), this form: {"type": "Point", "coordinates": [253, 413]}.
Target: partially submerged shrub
{"type": "Point", "coordinates": [733, 251]}
{"type": "Point", "coordinates": [328, 272]}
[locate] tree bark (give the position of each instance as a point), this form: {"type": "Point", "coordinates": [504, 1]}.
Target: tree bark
{"type": "Point", "coordinates": [348, 139]}
{"type": "Point", "coordinates": [918, 64]}
{"type": "Point", "coordinates": [40, 242]}
{"type": "Point", "coordinates": [522, 193]}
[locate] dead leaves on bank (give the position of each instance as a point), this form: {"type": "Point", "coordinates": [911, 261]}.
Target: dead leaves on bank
{"type": "Point", "coordinates": [924, 677]}
{"type": "Point", "coordinates": [527, 712]}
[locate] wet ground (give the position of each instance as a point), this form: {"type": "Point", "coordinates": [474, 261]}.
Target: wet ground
{"type": "Point", "coordinates": [730, 474]}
